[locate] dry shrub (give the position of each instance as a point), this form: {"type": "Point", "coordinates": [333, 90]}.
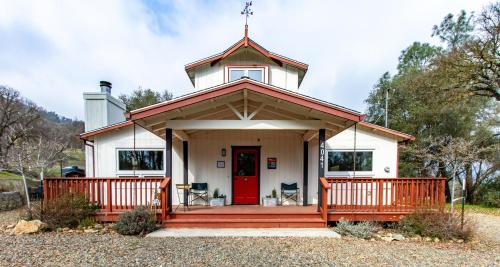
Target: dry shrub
{"type": "Point", "coordinates": [363, 230]}
{"type": "Point", "coordinates": [139, 221]}
{"type": "Point", "coordinates": [442, 225]}
{"type": "Point", "coordinates": [68, 210]}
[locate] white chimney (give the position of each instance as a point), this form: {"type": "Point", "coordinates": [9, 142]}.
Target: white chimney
{"type": "Point", "coordinates": [102, 109]}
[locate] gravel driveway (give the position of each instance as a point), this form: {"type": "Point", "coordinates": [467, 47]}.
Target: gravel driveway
{"type": "Point", "coordinates": [77, 249]}
{"type": "Point", "coordinates": [55, 249]}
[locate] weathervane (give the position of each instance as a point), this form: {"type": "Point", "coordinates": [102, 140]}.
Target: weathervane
{"type": "Point", "coordinates": [247, 11]}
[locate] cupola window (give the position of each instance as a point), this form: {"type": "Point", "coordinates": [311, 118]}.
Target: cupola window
{"type": "Point", "coordinates": [254, 73]}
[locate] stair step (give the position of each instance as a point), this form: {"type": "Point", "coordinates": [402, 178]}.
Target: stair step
{"type": "Point", "coordinates": [246, 223]}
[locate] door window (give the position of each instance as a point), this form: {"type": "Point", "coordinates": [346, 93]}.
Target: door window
{"type": "Point", "coordinates": [245, 164]}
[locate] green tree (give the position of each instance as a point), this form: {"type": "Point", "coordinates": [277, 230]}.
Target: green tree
{"type": "Point", "coordinates": [144, 97]}
{"type": "Point", "coordinates": [454, 31]}
{"type": "Point", "coordinates": [450, 92]}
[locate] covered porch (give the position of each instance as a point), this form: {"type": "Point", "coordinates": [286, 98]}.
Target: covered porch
{"type": "Point", "coordinates": [244, 139]}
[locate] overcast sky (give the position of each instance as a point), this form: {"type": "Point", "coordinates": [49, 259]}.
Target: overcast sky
{"type": "Point", "coordinates": [53, 51]}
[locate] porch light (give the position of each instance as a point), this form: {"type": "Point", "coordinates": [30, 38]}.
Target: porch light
{"type": "Point", "coordinates": [223, 152]}
{"type": "Point", "coordinates": [387, 169]}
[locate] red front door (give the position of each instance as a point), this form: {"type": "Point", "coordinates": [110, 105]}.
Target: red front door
{"type": "Point", "coordinates": [246, 175]}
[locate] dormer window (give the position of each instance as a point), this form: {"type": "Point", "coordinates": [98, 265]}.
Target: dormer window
{"type": "Point", "coordinates": [234, 73]}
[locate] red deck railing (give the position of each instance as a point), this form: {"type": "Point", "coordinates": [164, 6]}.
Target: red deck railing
{"type": "Point", "coordinates": [385, 194]}
{"type": "Point", "coordinates": [114, 194]}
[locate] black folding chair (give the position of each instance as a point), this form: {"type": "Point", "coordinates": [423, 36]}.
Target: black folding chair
{"type": "Point", "coordinates": [199, 191]}
{"type": "Point", "coordinates": [290, 192]}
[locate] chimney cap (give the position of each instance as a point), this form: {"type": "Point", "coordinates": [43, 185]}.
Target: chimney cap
{"type": "Point", "coordinates": [105, 83]}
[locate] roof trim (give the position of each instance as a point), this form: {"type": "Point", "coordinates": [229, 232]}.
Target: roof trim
{"type": "Point", "coordinates": [403, 136]}
{"type": "Point", "coordinates": [86, 135]}
{"type": "Point", "coordinates": [252, 85]}
{"type": "Point", "coordinates": [245, 42]}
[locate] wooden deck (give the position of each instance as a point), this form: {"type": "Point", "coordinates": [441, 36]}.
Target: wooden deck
{"type": "Point", "coordinates": [355, 199]}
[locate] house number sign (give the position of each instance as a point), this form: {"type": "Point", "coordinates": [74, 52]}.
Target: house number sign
{"type": "Point", "coordinates": [322, 154]}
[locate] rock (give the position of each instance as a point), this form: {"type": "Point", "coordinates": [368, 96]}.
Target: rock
{"type": "Point", "coordinates": [427, 239]}
{"type": "Point", "coordinates": [11, 226]}
{"type": "Point", "coordinates": [98, 226]}
{"type": "Point", "coordinates": [65, 229]}
{"type": "Point", "coordinates": [90, 231]}
{"type": "Point", "coordinates": [28, 227]}
{"type": "Point", "coordinates": [435, 239]}
{"type": "Point", "coordinates": [377, 236]}
{"type": "Point", "coordinates": [398, 237]}
{"type": "Point", "coordinates": [460, 241]}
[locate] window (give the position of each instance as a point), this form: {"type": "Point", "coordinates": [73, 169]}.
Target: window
{"type": "Point", "coordinates": [142, 160]}
{"type": "Point", "coordinates": [342, 161]}
{"type": "Point", "coordinates": [252, 73]}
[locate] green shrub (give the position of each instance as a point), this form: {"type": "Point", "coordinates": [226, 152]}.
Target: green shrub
{"type": "Point", "coordinates": [140, 221]}
{"type": "Point", "coordinates": [67, 210]}
{"type": "Point", "coordinates": [363, 230]}
{"type": "Point", "coordinates": [87, 222]}
{"type": "Point", "coordinates": [436, 224]}
{"type": "Point", "coordinates": [274, 194]}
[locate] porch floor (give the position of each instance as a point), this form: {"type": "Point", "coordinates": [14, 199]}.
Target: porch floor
{"type": "Point", "coordinates": [245, 216]}
{"type": "Point", "coordinates": [246, 209]}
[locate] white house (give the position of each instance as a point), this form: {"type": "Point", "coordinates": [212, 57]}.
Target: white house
{"type": "Point", "coordinates": [244, 130]}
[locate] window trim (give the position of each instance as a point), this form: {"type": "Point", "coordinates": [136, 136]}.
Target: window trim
{"type": "Point", "coordinates": [264, 68]}
{"type": "Point", "coordinates": [350, 173]}
{"type": "Point", "coordinates": [140, 173]}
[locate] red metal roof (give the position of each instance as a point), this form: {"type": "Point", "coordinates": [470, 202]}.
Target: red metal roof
{"type": "Point", "coordinates": [405, 137]}
{"type": "Point", "coordinates": [247, 42]}
{"type": "Point", "coordinates": [251, 85]}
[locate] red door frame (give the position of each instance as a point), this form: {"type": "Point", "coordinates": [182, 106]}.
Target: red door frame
{"type": "Point", "coordinates": [233, 150]}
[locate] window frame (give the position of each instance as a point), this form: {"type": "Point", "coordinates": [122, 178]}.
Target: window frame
{"type": "Point", "coordinates": [229, 68]}
{"type": "Point", "coordinates": [140, 173]}
{"type": "Point", "coordinates": [349, 173]}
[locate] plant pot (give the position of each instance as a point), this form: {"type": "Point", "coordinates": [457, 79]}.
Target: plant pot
{"type": "Point", "coordinates": [270, 202]}
{"type": "Point", "coordinates": [217, 202]}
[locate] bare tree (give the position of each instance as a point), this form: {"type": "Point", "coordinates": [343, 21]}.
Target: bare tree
{"type": "Point", "coordinates": [452, 154]}
{"type": "Point", "coordinates": [17, 116]}
{"type": "Point", "coordinates": [49, 148]}
{"type": "Point", "coordinates": [21, 159]}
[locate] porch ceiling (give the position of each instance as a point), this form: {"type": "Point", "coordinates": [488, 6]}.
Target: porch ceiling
{"type": "Point", "coordinates": [246, 109]}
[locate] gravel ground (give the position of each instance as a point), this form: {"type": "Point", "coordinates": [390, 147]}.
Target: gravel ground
{"type": "Point", "coordinates": [54, 249]}
{"type": "Point", "coordinates": [75, 249]}
{"type": "Point", "coordinates": [488, 226]}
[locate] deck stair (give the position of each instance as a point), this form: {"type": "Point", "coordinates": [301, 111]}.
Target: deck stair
{"type": "Point", "coordinates": [246, 217]}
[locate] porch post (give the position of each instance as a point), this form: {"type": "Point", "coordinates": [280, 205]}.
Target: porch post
{"type": "Point", "coordinates": [168, 163]}
{"type": "Point", "coordinates": [305, 174]}
{"type": "Point", "coordinates": [185, 156]}
{"type": "Point", "coordinates": [321, 163]}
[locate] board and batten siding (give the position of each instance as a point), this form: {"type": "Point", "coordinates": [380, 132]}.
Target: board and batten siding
{"type": "Point", "coordinates": [106, 146]}
{"type": "Point", "coordinates": [205, 150]}
{"type": "Point", "coordinates": [385, 154]}
{"type": "Point", "coordinates": [285, 76]}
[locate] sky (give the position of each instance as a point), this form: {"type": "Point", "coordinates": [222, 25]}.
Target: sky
{"type": "Point", "coordinates": [53, 51]}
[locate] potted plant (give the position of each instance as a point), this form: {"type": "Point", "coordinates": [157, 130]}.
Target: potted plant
{"type": "Point", "coordinates": [217, 200]}
{"type": "Point", "coordinates": [271, 200]}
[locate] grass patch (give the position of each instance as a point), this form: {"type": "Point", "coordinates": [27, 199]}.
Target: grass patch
{"type": "Point", "coordinates": [475, 208]}
{"type": "Point", "coordinates": [9, 175]}
{"type": "Point", "coordinates": [74, 157]}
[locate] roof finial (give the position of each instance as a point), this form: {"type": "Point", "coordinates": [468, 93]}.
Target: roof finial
{"type": "Point", "coordinates": [247, 12]}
